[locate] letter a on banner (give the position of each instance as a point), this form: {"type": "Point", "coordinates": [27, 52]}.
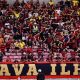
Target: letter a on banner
{"type": "Point", "coordinates": [4, 70]}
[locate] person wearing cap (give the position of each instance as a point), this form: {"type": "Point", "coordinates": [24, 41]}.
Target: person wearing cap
{"type": "Point", "coordinates": [40, 75]}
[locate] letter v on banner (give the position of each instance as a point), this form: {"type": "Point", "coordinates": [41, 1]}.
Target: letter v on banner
{"type": "Point", "coordinates": [18, 70]}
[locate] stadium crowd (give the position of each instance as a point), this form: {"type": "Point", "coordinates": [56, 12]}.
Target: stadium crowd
{"type": "Point", "coordinates": [40, 32]}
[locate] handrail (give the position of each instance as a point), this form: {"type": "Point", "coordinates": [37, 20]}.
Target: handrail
{"type": "Point", "coordinates": [39, 62]}
{"type": "Point", "coordinates": [34, 77]}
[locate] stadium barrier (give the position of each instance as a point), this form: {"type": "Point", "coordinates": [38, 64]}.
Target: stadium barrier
{"type": "Point", "coordinates": [28, 71]}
